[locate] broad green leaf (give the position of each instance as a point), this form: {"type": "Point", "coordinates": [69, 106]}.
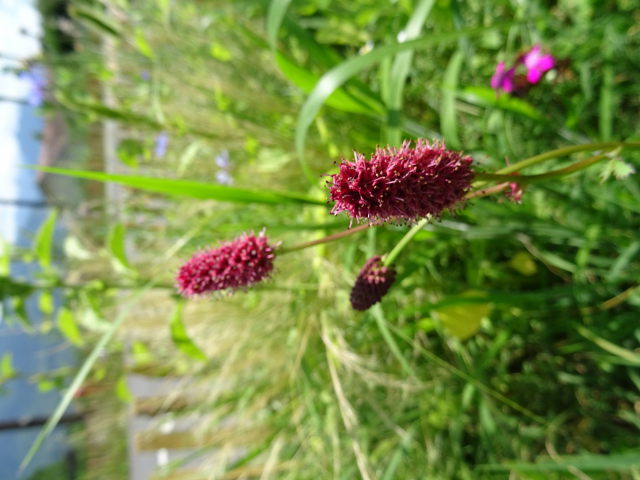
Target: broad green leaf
{"type": "Point", "coordinates": [122, 390]}
{"type": "Point", "coordinates": [80, 377]}
{"type": "Point", "coordinates": [117, 248]}
{"type": "Point", "coordinates": [7, 371]}
{"type": "Point", "coordinates": [142, 45]}
{"type": "Point", "coordinates": [486, 97]}
{"type": "Point", "coordinates": [5, 258]}
{"type": "Point", "coordinates": [130, 151]}
{"type": "Point", "coordinates": [12, 288]}
{"type": "Point", "coordinates": [180, 336]}
{"type": "Point", "coordinates": [338, 75]}
{"type": "Point", "coordinates": [43, 242]}
{"type": "Point", "coordinates": [275, 15]}
{"type": "Point", "coordinates": [220, 52]}
{"type": "Point", "coordinates": [448, 122]}
{"type": "Point", "coordinates": [68, 327]}
{"type": "Point", "coordinates": [524, 263]}
{"type": "Point", "coordinates": [189, 188]}
{"type": "Point", "coordinates": [464, 319]}
{"type": "Point", "coordinates": [45, 302]}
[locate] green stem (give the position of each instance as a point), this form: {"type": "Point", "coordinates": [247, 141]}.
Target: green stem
{"type": "Point", "coordinates": [563, 152]}
{"type": "Point", "coordinates": [320, 241]}
{"type": "Point", "coordinates": [524, 179]}
{"type": "Point", "coordinates": [393, 254]}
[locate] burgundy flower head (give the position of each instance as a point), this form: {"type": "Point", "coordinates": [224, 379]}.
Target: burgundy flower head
{"type": "Point", "coordinates": [373, 282]}
{"type": "Point", "coordinates": [242, 262]}
{"type": "Point", "coordinates": [403, 183]}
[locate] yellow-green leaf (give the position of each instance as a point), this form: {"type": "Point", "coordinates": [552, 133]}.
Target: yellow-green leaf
{"type": "Point", "coordinates": [463, 318]}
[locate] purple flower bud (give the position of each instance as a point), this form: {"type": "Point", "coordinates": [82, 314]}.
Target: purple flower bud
{"type": "Point", "coordinates": [224, 178]}
{"type": "Point", "coordinates": [36, 77]}
{"type": "Point", "coordinates": [242, 262]}
{"type": "Point", "coordinates": [503, 79]}
{"type": "Point", "coordinates": [537, 63]}
{"type": "Point", "coordinates": [401, 184]}
{"type": "Point", "coordinates": [373, 282]}
{"type": "Point", "coordinates": [222, 160]}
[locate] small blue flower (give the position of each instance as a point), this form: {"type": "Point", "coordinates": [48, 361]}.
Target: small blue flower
{"type": "Point", "coordinates": [224, 178]}
{"type": "Point", "coordinates": [161, 144]}
{"type": "Point", "coordinates": [222, 160]}
{"type": "Point", "coordinates": [36, 78]}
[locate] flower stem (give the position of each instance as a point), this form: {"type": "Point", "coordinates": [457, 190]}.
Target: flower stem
{"type": "Point", "coordinates": [393, 254]}
{"type": "Point", "coordinates": [320, 241]}
{"type": "Point", "coordinates": [524, 179]}
{"type": "Point", "coordinates": [563, 152]}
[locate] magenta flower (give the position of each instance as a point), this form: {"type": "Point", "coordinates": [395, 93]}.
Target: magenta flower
{"type": "Point", "coordinates": [401, 184]}
{"type": "Point", "coordinates": [537, 63]}
{"type": "Point", "coordinates": [242, 262]}
{"type": "Point", "coordinates": [373, 282]}
{"type": "Point", "coordinates": [503, 79]}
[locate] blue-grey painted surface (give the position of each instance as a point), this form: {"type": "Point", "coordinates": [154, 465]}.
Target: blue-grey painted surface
{"type": "Point", "coordinates": [31, 353]}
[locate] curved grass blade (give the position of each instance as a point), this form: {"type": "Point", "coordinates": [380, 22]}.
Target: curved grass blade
{"type": "Point", "coordinates": [275, 16]}
{"type": "Point", "coordinates": [400, 70]}
{"type": "Point", "coordinates": [338, 75]}
{"type": "Point", "coordinates": [187, 188]}
{"type": "Point", "coordinates": [80, 377]}
{"type": "Point", "coordinates": [448, 122]}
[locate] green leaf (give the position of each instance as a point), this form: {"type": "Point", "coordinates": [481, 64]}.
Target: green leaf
{"type": "Point", "coordinates": [122, 390]}
{"type": "Point", "coordinates": [142, 45]}
{"type": "Point", "coordinates": [339, 99]}
{"type": "Point", "coordinates": [622, 461]}
{"type": "Point", "coordinates": [7, 372]}
{"type": "Point", "coordinates": [628, 355]}
{"type": "Point", "coordinates": [45, 302]}
{"type": "Point", "coordinates": [180, 336]}
{"type": "Point", "coordinates": [220, 52]}
{"type": "Point", "coordinates": [68, 327]}
{"type": "Point", "coordinates": [117, 248]}
{"type": "Point", "coordinates": [464, 319]}
{"type": "Point", "coordinates": [617, 168]}
{"type": "Point", "coordinates": [486, 97]}
{"type": "Point", "coordinates": [80, 377]}
{"type": "Point", "coordinates": [448, 122]}
{"type": "Point", "coordinates": [129, 151]}
{"type": "Point", "coordinates": [338, 75]}
{"type": "Point", "coordinates": [44, 240]}
{"type": "Point", "coordinates": [5, 259]}
{"type": "Point", "coordinates": [188, 188]}
{"type": "Point", "coordinates": [95, 18]}
{"type": "Point", "coordinates": [275, 16]}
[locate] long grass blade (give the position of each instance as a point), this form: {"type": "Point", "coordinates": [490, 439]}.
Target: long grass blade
{"type": "Point", "coordinates": [448, 123]}
{"type": "Point", "coordinates": [275, 16]}
{"type": "Point", "coordinates": [80, 377]}
{"type": "Point", "coordinates": [187, 188]}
